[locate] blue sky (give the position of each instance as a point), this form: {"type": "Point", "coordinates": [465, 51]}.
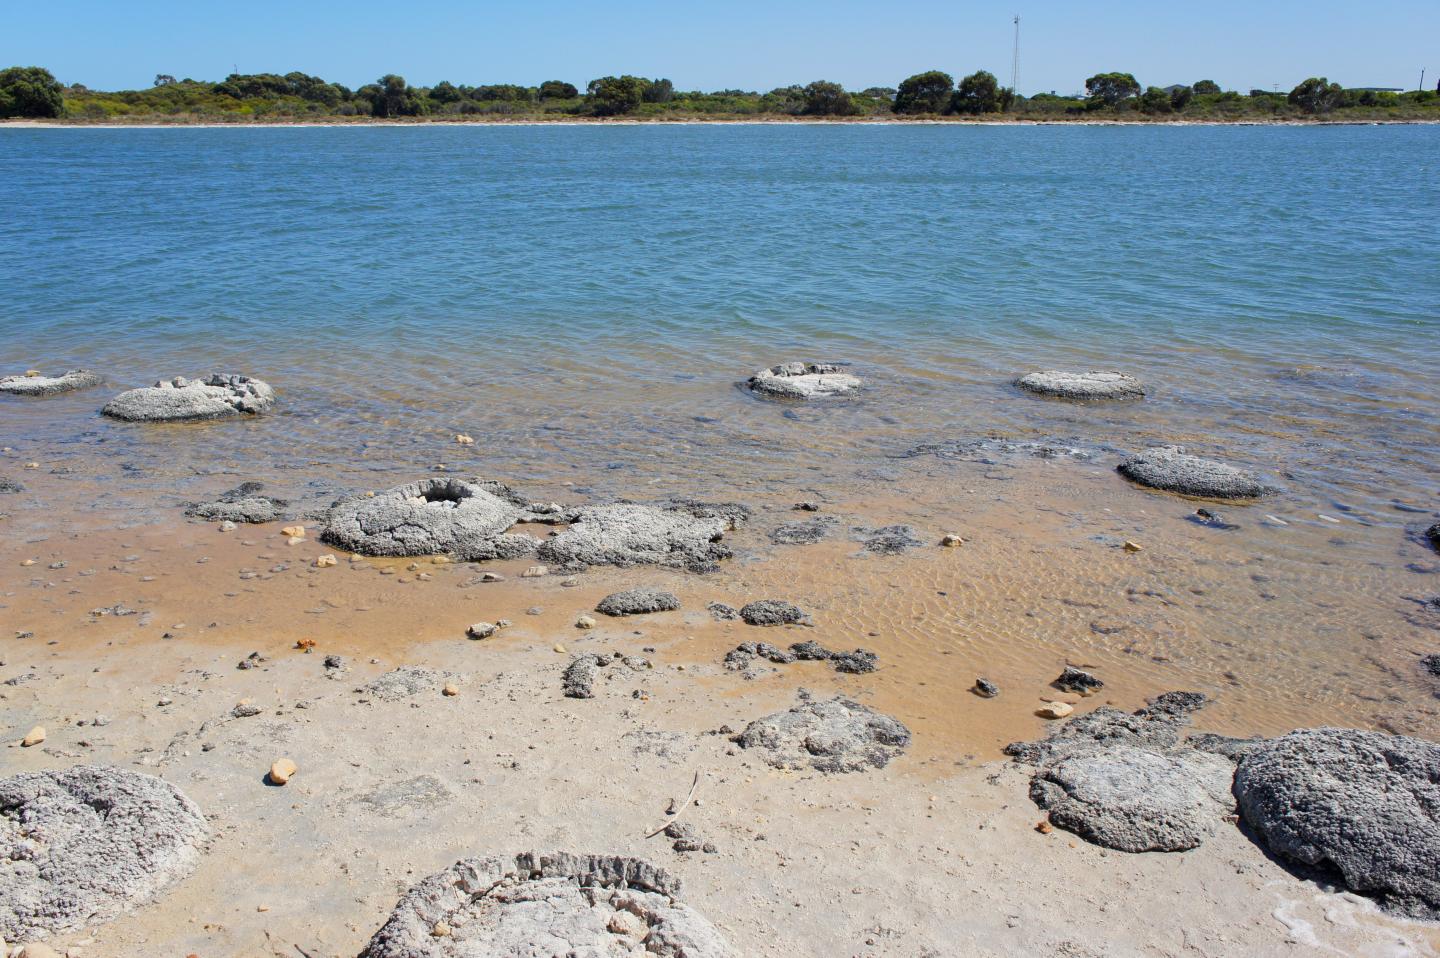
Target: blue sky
{"type": "Point", "coordinates": [744, 44]}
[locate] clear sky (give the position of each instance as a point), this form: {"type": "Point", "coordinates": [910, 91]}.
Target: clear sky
{"type": "Point", "coordinates": [744, 44]}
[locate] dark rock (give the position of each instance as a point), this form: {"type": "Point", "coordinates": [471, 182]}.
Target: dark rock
{"type": "Point", "coordinates": [771, 612]}
{"type": "Point", "coordinates": [743, 654]}
{"type": "Point", "coordinates": [49, 385]}
{"type": "Point", "coordinates": [579, 679]}
{"type": "Point", "coordinates": [837, 735]}
{"type": "Point", "coordinates": [1431, 664]}
{"type": "Point", "coordinates": [334, 663]}
{"type": "Point", "coordinates": [891, 540]}
{"type": "Point", "coordinates": [1087, 385]}
{"type": "Point", "coordinates": [858, 662]}
{"type": "Point", "coordinates": [244, 503]}
{"type": "Point", "coordinates": [1170, 469]}
{"type": "Point", "coordinates": [1365, 803]}
{"type": "Point", "coordinates": [806, 507]}
{"type": "Point", "coordinates": [810, 651]}
{"type": "Point", "coordinates": [638, 602]}
{"type": "Point", "coordinates": [687, 838]}
{"type": "Point", "coordinates": [10, 485]}
{"type": "Point", "coordinates": [180, 400]}
{"type": "Point", "coordinates": [1433, 535]}
{"type": "Point", "coordinates": [1077, 680]}
{"type": "Point", "coordinates": [722, 612]}
{"type": "Point", "coordinates": [985, 688]}
{"type": "Point", "coordinates": [441, 516]}
{"type": "Point", "coordinates": [804, 533]}
{"type": "Point", "coordinates": [1210, 519]}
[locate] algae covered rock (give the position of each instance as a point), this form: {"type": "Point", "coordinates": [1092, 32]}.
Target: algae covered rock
{"type": "Point", "coordinates": [430, 517]}
{"type": "Point", "coordinates": [40, 385]}
{"type": "Point", "coordinates": [803, 381]}
{"type": "Point", "coordinates": [183, 400]}
{"type": "Point", "coordinates": [1170, 469]}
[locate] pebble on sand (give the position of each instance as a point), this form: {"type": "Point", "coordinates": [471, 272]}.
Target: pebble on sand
{"type": "Point", "coordinates": [480, 630]}
{"type": "Point", "coordinates": [294, 532]}
{"type": "Point", "coordinates": [325, 562]}
{"type": "Point", "coordinates": [33, 737]}
{"type": "Point", "coordinates": [1054, 710]}
{"type": "Point", "coordinates": [281, 771]}
{"type": "Point", "coordinates": [450, 690]}
{"type": "Point", "coordinates": [951, 541]}
{"type": "Point", "coordinates": [585, 622]}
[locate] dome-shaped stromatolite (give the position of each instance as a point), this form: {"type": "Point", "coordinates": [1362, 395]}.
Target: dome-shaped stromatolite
{"type": "Point", "coordinates": [440, 516]}
{"type": "Point", "coordinates": [1170, 469]}
{"type": "Point", "coordinates": [1366, 803]}
{"type": "Point", "coordinates": [85, 844]}
{"type": "Point", "coordinates": [183, 400]}
{"type": "Point", "coordinates": [638, 602]}
{"type": "Point", "coordinates": [1094, 384]}
{"type": "Point", "coordinates": [803, 381]}
{"type": "Point", "coordinates": [543, 906]}
{"type": "Point", "coordinates": [625, 534]}
{"type": "Point", "coordinates": [837, 735]}
{"type": "Point", "coordinates": [34, 384]}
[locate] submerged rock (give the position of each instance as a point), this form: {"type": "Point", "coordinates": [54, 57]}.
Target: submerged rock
{"type": "Point", "coordinates": [771, 612]}
{"type": "Point", "coordinates": [1094, 384]}
{"type": "Point", "coordinates": [638, 602]}
{"type": "Point", "coordinates": [1365, 803]}
{"type": "Point", "coordinates": [37, 385]}
{"type": "Point", "coordinates": [598, 906]}
{"type": "Point", "coordinates": [832, 736]}
{"type": "Point", "coordinates": [627, 535]}
{"type": "Point", "coordinates": [429, 517]}
{"type": "Point", "coordinates": [244, 503]}
{"type": "Point", "coordinates": [803, 381]}
{"type": "Point", "coordinates": [1170, 469]}
{"type": "Point", "coordinates": [806, 532]}
{"type": "Point", "coordinates": [891, 540]}
{"type": "Point", "coordinates": [182, 400]}
{"type": "Point", "coordinates": [88, 843]}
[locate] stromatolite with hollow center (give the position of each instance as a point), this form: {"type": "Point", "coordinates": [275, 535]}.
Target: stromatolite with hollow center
{"type": "Point", "coordinates": [438, 516]}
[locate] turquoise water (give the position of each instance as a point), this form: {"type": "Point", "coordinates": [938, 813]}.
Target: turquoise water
{"type": "Point", "coordinates": [585, 299]}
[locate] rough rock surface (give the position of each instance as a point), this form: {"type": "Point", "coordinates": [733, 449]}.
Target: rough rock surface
{"type": "Point", "coordinates": [1094, 384]}
{"type": "Point", "coordinates": [891, 540]}
{"type": "Point", "coordinates": [1077, 680]}
{"type": "Point", "coordinates": [181, 400]}
{"type": "Point", "coordinates": [837, 735]}
{"type": "Point", "coordinates": [547, 906]}
{"type": "Point", "coordinates": [50, 385]}
{"type": "Point", "coordinates": [771, 612]}
{"type": "Point", "coordinates": [1365, 803]}
{"type": "Point", "coordinates": [579, 679]}
{"type": "Point", "coordinates": [88, 843]}
{"type": "Point", "coordinates": [1169, 468]}
{"type": "Point", "coordinates": [244, 503]}
{"type": "Point", "coordinates": [626, 535]}
{"type": "Point", "coordinates": [406, 681]}
{"type": "Point", "coordinates": [1157, 726]}
{"type": "Point", "coordinates": [638, 602]}
{"type": "Point", "coordinates": [803, 381]}
{"type": "Point", "coordinates": [10, 485]}
{"type": "Point", "coordinates": [805, 532]}
{"type": "Point", "coordinates": [1433, 535]}
{"type": "Point", "coordinates": [429, 517]}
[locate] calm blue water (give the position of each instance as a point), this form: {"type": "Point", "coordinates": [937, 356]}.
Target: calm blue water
{"type": "Point", "coordinates": [578, 297]}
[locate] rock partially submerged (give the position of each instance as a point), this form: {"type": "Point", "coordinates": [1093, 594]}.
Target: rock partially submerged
{"type": "Point", "coordinates": [858, 662]}
{"type": "Point", "coordinates": [183, 400]}
{"type": "Point", "coordinates": [638, 602]}
{"type": "Point", "coordinates": [1157, 726]}
{"type": "Point", "coordinates": [439, 516]}
{"type": "Point", "coordinates": [803, 381]}
{"type": "Point", "coordinates": [1170, 469]}
{"type": "Point", "coordinates": [38, 385]}
{"type": "Point", "coordinates": [890, 540]}
{"type": "Point", "coordinates": [88, 843]}
{"type": "Point", "coordinates": [8, 486]}
{"type": "Point", "coordinates": [805, 532]}
{"type": "Point", "coordinates": [1365, 803]}
{"type": "Point", "coordinates": [244, 503]}
{"type": "Point", "coordinates": [832, 736]}
{"type": "Point", "coordinates": [547, 905]}
{"type": "Point", "coordinates": [771, 612]}
{"type": "Point", "coordinates": [1432, 535]}
{"type": "Point", "coordinates": [1094, 384]}
{"type": "Point", "coordinates": [626, 534]}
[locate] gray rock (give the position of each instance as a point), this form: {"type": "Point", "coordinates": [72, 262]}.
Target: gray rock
{"type": "Point", "coordinates": [722, 612]}
{"type": "Point", "coordinates": [180, 400]}
{"type": "Point", "coordinates": [1077, 680]}
{"type": "Point", "coordinates": [627, 535]}
{"type": "Point", "coordinates": [890, 540]}
{"type": "Point", "coordinates": [406, 681]}
{"type": "Point", "coordinates": [810, 651]}
{"type": "Point", "coordinates": [735, 513]}
{"type": "Point", "coordinates": [858, 662]}
{"type": "Point", "coordinates": [803, 533]}
{"type": "Point", "coordinates": [8, 485]}
{"type": "Point", "coordinates": [83, 845]}
{"type": "Point", "coordinates": [985, 688]}
{"type": "Point", "coordinates": [1365, 803]}
{"type": "Point", "coordinates": [1135, 799]}
{"type": "Point", "coordinates": [1431, 664]}
{"type": "Point", "coordinates": [547, 905]}
{"type": "Point", "coordinates": [638, 602]}
{"type": "Point", "coordinates": [837, 735]}
{"type": "Point", "coordinates": [771, 612]}
{"type": "Point", "coordinates": [1433, 535]}
{"type": "Point", "coordinates": [985, 451]}
{"type": "Point", "coordinates": [50, 385]}
{"type": "Point", "coordinates": [1094, 384]}
{"type": "Point", "coordinates": [430, 517]}
{"type": "Point", "coordinates": [687, 838]}
{"type": "Point", "coordinates": [1227, 746]}
{"type": "Point", "coordinates": [244, 503]}
{"type": "Point", "coordinates": [579, 679]}
{"type": "Point", "coordinates": [422, 791]}
{"type": "Point", "coordinates": [1157, 726]}
{"type": "Point", "coordinates": [1170, 469]}
{"type": "Point", "coordinates": [803, 381]}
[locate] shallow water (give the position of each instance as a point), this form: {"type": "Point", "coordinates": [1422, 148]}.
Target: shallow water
{"type": "Point", "coordinates": [586, 302]}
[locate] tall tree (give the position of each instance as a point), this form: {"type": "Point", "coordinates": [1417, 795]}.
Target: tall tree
{"type": "Point", "coordinates": [924, 93]}
{"type": "Point", "coordinates": [614, 96]}
{"type": "Point", "coordinates": [1317, 95]}
{"type": "Point", "coordinates": [1111, 88]}
{"type": "Point", "coordinates": [979, 93]}
{"type": "Point", "coordinates": [1206, 87]}
{"type": "Point", "coordinates": [823, 98]}
{"type": "Point", "coordinates": [558, 90]}
{"type": "Point", "coordinates": [30, 92]}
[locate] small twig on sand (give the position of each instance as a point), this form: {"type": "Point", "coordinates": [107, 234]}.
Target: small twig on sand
{"type": "Point", "coordinates": [683, 805]}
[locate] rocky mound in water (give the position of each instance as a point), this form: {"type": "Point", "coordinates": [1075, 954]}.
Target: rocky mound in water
{"type": "Point", "coordinates": [771, 612]}
{"type": "Point", "coordinates": [638, 602]}
{"type": "Point", "coordinates": [34, 384]}
{"type": "Point", "coordinates": [547, 905]}
{"type": "Point", "coordinates": [244, 503]}
{"type": "Point", "coordinates": [1169, 468]}
{"type": "Point", "coordinates": [441, 516]}
{"type": "Point", "coordinates": [1094, 384]}
{"type": "Point", "coordinates": [627, 535]}
{"type": "Point", "coordinates": [803, 381]}
{"type": "Point", "coordinates": [832, 736]}
{"type": "Point", "coordinates": [8, 485]}
{"type": "Point", "coordinates": [88, 843]}
{"type": "Point", "coordinates": [184, 400]}
{"type": "Point", "coordinates": [1365, 803]}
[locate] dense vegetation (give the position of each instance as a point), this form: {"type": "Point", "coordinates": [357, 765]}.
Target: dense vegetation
{"type": "Point", "coordinates": [33, 92]}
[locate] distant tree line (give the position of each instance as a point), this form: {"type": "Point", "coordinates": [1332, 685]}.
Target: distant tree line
{"type": "Point", "coordinates": [34, 92]}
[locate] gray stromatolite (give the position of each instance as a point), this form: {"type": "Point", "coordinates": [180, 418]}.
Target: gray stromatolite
{"type": "Point", "coordinates": [803, 381]}
{"type": "Point", "coordinates": [1170, 469]}
{"type": "Point", "coordinates": [8, 485]}
{"type": "Point", "coordinates": [244, 503]}
{"type": "Point", "coordinates": [430, 517]}
{"type": "Point", "coordinates": [598, 906]}
{"type": "Point", "coordinates": [404, 682]}
{"type": "Point", "coordinates": [638, 602]}
{"type": "Point", "coordinates": [837, 735]}
{"type": "Point", "coordinates": [771, 612]}
{"type": "Point", "coordinates": [183, 400]}
{"type": "Point", "coordinates": [1094, 384]}
{"type": "Point", "coordinates": [85, 844]}
{"type": "Point", "coordinates": [805, 532]}
{"type": "Point", "coordinates": [625, 534]}
{"type": "Point", "coordinates": [1366, 803]}
{"type": "Point", "coordinates": [28, 385]}
{"type": "Point", "coordinates": [578, 681]}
